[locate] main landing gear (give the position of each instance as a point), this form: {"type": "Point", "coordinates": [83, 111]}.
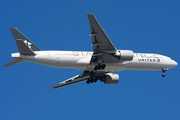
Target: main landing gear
{"type": "Point", "coordinates": [91, 80]}
{"type": "Point", "coordinates": [164, 70]}
{"type": "Point", "coordinates": [99, 66]}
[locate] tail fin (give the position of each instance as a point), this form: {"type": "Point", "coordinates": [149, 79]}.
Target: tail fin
{"type": "Point", "coordinates": [23, 49]}
{"type": "Point", "coordinates": [18, 35]}
{"type": "Point", "coordinates": [25, 46]}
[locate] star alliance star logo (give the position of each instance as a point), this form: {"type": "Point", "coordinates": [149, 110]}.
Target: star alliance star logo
{"type": "Point", "coordinates": [28, 43]}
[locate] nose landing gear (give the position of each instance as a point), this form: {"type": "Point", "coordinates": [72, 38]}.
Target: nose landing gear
{"type": "Point", "coordinates": [164, 70]}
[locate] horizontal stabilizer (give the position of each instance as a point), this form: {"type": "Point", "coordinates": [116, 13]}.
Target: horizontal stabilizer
{"type": "Point", "coordinates": [23, 48]}
{"type": "Point", "coordinates": [14, 62]}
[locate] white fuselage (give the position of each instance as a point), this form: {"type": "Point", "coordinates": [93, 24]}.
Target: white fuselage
{"type": "Point", "coordinates": [81, 60]}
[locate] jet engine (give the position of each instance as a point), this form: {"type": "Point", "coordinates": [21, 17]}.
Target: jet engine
{"type": "Point", "coordinates": [110, 78]}
{"type": "Point", "coordinates": [124, 55]}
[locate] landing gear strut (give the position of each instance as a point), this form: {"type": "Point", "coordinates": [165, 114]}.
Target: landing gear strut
{"type": "Point", "coordinates": [164, 70]}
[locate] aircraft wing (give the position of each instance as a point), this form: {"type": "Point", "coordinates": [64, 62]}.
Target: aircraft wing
{"type": "Point", "coordinates": [100, 41]}
{"type": "Point", "coordinates": [103, 48]}
{"type": "Point", "coordinates": [75, 79]}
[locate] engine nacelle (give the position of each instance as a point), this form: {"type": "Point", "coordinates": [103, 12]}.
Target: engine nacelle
{"type": "Point", "coordinates": [110, 78]}
{"type": "Point", "coordinates": [124, 55]}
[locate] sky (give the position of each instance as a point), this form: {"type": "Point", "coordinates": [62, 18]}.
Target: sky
{"type": "Point", "coordinates": [150, 26]}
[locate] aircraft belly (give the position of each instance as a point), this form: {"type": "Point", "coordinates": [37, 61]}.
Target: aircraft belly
{"type": "Point", "coordinates": [136, 65]}
{"type": "Point", "coordinates": [114, 67]}
{"type": "Point", "coordinates": [109, 66]}
{"type": "Point", "coordinates": [61, 62]}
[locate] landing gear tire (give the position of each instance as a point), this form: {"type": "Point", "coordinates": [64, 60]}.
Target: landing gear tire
{"type": "Point", "coordinates": [103, 66]}
{"type": "Point", "coordinates": [99, 67]}
{"type": "Point", "coordinates": [95, 80]}
{"type": "Point", "coordinates": [163, 75]}
{"type": "Point", "coordinates": [164, 70]}
{"type": "Point", "coordinates": [96, 67]}
{"type": "Point", "coordinates": [87, 82]}
{"type": "Point", "coordinates": [91, 80]}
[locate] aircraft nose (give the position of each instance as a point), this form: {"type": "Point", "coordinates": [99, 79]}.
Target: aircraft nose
{"type": "Point", "coordinates": [174, 63]}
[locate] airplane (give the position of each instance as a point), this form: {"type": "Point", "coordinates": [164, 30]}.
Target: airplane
{"type": "Point", "coordinates": [96, 65]}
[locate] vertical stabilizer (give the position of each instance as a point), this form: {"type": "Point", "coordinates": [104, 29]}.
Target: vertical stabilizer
{"type": "Point", "coordinates": [23, 48]}
{"type": "Point", "coordinates": [18, 35]}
